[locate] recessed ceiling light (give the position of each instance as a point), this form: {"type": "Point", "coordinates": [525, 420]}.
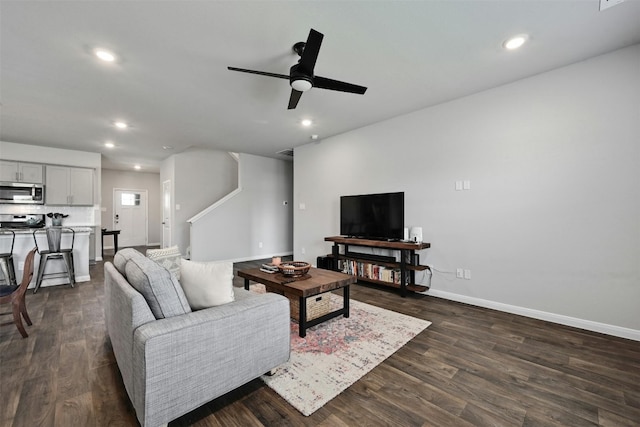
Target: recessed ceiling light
{"type": "Point", "coordinates": [167, 147]}
{"type": "Point", "coordinates": [121, 125]}
{"type": "Point", "coordinates": [137, 167]}
{"type": "Point", "coordinates": [109, 144]}
{"type": "Point", "coordinates": [314, 137]}
{"type": "Point", "coordinates": [105, 55]}
{"type": "Point", "coordinates": [515, 42]}
{"type": "Point", "coordinates": [306, 122]}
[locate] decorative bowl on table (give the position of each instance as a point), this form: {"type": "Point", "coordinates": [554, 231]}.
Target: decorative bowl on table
{"type": "Point", "coordinates": [294, 268]}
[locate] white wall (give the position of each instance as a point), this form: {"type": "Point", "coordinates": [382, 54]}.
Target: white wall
{"type": "Point", "coordinates": [257, 214]}
{"type": "Point", "coordinates": [199, 178]}
{"type": "Point", "coordinates": [551, 225]}
{"type": "Point", "coordinates": [149, 181]}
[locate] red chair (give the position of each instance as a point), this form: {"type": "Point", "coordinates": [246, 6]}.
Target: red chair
{"type": "Point", "coordinates": [15, 294]}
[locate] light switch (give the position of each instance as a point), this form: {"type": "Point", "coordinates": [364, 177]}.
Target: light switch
{"type": "Point", "coordinates": [302, 206]}
{"type": "Point", "coordinates": [466, 185]}
{"type": "Point", "coordinates": [177, 206]}
{"type": "Point", "coordinates": [458, 185]}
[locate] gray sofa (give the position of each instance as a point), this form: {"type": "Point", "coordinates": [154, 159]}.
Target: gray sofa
{"type": "Point", "coordinates": [177, 360]}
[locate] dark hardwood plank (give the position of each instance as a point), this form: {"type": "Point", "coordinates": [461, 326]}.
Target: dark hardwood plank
{"type": "Point", "coordinates": [76, 411]}
{"type": "Point", "coordinates": [472, 367]}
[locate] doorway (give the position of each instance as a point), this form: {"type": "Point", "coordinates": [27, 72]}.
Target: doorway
{"type": "Point", "coordinates": [166, 214]}
{"type": "Point", "coordinates": [130, 217]}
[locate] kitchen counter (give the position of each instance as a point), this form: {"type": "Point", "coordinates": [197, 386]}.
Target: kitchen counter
{"type": "Point", "coordinates": [31, 230]}
{"type": "Point", "coordinates": [24, 243]}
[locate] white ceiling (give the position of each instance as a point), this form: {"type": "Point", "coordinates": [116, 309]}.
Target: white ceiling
{"type": "Point", "coordinates": [171, 82]}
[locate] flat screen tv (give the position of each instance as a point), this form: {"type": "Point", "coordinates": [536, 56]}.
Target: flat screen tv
{"type": "Point", "coordinates": [373, 216]}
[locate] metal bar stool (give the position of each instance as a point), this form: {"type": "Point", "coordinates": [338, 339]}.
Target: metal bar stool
{"type": "Point", "coordinates": [6, 261]}
{"type": "Point", "coordinates": [54, 251]}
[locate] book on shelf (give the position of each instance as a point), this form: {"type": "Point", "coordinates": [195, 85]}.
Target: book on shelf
{"type": "Point", "coordinates": [371, 271]}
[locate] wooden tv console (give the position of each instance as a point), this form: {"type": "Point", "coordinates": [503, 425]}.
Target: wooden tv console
{"type": "Point", "coordinates": [375, 269]}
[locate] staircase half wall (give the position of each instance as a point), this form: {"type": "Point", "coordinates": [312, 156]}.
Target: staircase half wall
{"type": "Point", "coordinates": [254, 221]}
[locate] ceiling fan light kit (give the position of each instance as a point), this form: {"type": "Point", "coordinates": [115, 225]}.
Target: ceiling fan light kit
{"type": "Point", "coordinates": [301, 85]}
{"type": "Point", "coordinates": [301, 77]}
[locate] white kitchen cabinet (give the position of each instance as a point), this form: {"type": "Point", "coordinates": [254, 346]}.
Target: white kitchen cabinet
{"type": "Point", "coordinates": [21, 172]}
{"type": "Point", "coordinates": [69, 186]}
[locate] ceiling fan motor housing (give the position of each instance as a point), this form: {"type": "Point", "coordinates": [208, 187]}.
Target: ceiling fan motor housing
{"type": "Point", "coordinates": [298, 80]}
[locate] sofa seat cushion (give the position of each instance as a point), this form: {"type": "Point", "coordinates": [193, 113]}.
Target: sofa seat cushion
{"type": "Point", "coordinates": [169, 258]}
{"type": "Point", "coordinates": [158, 286]}
{"type": "Point", "coordinates": [207, 284]}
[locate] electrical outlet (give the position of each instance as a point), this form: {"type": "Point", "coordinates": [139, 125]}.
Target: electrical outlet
{"type": "Point", "coordinates": [260, 245]}
{"type": "Point", "coordinates": [459, 273]}
{"type": "Point", "coordinates": [467, 274]}
{"type": "Point", "coordinates": [303, 250]}
{"type": "Point", "coordinates": [606, 4]}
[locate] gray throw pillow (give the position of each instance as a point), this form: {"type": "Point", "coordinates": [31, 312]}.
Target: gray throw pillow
{"type": "Point", "coordinates": [160, 289]}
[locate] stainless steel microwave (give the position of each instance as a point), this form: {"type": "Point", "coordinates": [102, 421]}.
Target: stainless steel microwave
{"type": "Point", "coordinates": [21, 193]}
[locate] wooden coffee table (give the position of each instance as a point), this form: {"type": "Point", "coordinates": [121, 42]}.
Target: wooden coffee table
{"type": "Point", "coordinates": [316, 282]}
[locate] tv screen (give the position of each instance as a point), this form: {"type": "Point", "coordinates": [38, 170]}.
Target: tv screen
{"type": "Point", "coordinates": [373, 216]}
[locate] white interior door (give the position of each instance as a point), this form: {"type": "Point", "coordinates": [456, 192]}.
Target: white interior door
{"type": "Point", "coordinates": [166, 214]}
{"type": "Point", "coordinates": [130, 217]}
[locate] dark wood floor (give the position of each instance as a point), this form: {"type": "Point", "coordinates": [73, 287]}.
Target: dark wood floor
{"type": "Point", "coordinates": [473, 366]}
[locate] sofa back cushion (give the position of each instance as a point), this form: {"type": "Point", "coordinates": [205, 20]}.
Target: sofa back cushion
{"type": "Point", "coordinates": [160, 289]}
{"type": "Point", "coordinates": [122, 257]}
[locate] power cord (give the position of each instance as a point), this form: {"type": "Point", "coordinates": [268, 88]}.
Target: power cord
{"type": "Point", "coordinates": [427, 275]}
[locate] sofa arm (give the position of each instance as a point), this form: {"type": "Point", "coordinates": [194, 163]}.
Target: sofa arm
{"type": "Point", "coordinates": [184, 361]}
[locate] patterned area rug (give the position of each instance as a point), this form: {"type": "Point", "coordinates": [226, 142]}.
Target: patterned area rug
{"type": "Point", "coordinates": [336, 353]}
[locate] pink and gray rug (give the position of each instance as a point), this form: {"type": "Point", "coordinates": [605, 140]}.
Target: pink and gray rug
{"type": "Point", "coordinates": [336, 353]}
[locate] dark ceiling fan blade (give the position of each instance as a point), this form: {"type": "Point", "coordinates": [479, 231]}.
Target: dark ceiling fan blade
{"type": "Point", "coordinates": [262, 73]}
{"type": "Point", "coordinates": [325, 83]}
{"type": "Point", "coordinates": [310, 53]}
{"type": "Point", "coordinates": [294, 98]}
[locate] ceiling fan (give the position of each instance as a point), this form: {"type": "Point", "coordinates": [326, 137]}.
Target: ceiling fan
{"type": "Point", "coordinates": [301, 77]}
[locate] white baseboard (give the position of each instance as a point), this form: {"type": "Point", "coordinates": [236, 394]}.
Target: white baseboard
{"type": "Point", "coordinates": [588, 325]}
{"type": "Point", "coordinates": [57, 281]}
{"type": "Point", "coordinates": [256, 257]}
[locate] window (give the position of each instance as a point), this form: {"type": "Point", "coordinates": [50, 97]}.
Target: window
{"type": "Point", "coordinates": [130, 199]}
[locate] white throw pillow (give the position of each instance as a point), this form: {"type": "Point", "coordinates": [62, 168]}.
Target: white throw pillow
{"type": "Point", "coordinates": [207, 284]}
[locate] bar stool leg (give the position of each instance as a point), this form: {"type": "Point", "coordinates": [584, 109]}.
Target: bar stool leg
{"type": "Point", "coordinates": [12, 271]}
{"type": "Point", "coordinates": [43, 261]}
{"type": "Point", "coordinates": [73, 269]}
{"type": "Point", "coordinates": [8, 272]}
{"type": "Point", "coordinates": [69, 263]}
